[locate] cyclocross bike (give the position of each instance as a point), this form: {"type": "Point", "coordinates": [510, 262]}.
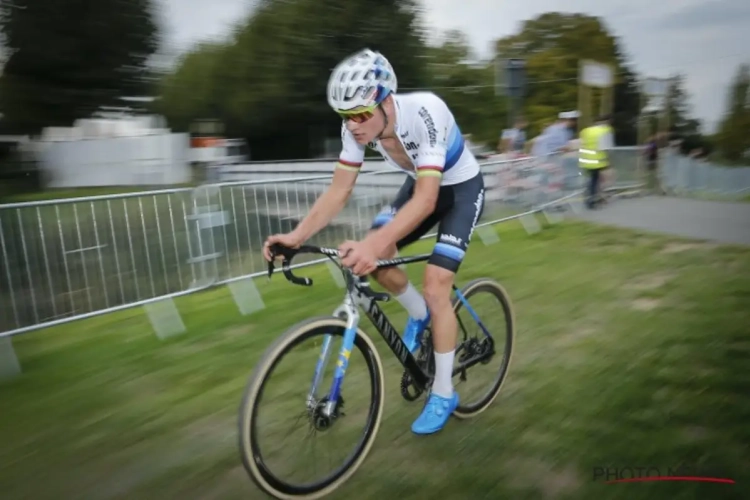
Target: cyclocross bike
{"type": "Point", "coordinates": [322, 413]}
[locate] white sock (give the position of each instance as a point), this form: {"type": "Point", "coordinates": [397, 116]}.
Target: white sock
{"type": "Point", "coordinates": [443, 383]}
{"type": "Point", "coordinates": [413, 302]}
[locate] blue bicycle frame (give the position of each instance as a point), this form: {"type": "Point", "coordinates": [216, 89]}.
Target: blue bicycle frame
{"type": "Point", "coordinates": [349, 311]}
{"type": "Point", "coordinates": [359, 295]}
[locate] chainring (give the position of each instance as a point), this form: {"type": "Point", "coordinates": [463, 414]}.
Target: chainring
{"type": "Point", "coordinates": [409, 391]}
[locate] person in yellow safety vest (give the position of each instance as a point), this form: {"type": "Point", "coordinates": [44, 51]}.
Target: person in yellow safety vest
{"type": "Point", "coordinates": [593, 156]}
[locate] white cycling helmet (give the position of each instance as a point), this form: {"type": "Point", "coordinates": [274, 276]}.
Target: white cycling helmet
{"type": "Point", "coordinates": [361, 80]}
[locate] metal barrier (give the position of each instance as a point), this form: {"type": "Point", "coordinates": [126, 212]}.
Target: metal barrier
{"type": "Point", "coordinates": [70, 259]}
{"type": "Point", "coordinates": [688, 176]}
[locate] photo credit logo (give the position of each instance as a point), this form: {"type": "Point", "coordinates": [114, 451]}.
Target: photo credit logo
{"type": "Point", "coordinates": [648, 473]}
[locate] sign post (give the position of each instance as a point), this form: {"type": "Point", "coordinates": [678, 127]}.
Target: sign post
{"type": "Point", "coordinates": [594, 75]}
{"type": "Point", "coordinates": [516, 71]}
{"type": "Point", "coordinates": [510, 81]}
{"type": "Point", "coordinates": [653, 113]}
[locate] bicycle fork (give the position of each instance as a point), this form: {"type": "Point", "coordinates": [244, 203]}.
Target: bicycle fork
{"type": "Point", "coordinates": [347, 311]}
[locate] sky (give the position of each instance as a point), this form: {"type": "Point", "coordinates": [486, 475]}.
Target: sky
{"type": "Point", "coordinates": [705, 40]}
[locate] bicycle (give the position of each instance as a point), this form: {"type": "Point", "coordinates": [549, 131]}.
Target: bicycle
{"type": "Point", "coordinates": [322, 413]}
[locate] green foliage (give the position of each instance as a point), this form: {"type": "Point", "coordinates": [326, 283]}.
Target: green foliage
{"type": "Point", "coordinates": [553, 45]}
{"type": "Point", "coordinates": [467, 88]}
{"type": "Point", "coordinates": [268, 82]}
{"type": "Point", "coordinates": [67, 58]}
{"type": "Point", "coordinates": [192, 89]}
{"type": "Point", "coordinates": [627, 101]}
{"type": "Point", "coordinates": [733, 137]}
{"type": "Point", "coordinates": [680, 123]}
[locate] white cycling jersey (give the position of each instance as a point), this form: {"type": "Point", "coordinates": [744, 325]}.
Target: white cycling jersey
{"type": "Point", "coordinates": [430, 136]}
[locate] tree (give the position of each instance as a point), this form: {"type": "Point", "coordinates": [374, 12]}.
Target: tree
{"type": "Point", "coordinates": [679, 109]}
{"type": "Point", "coordinates": [68, 58]}
{"type": "Point", "coordinates": [553, 45]}
{"type": "Point", "coordinates": [269, 81]}
{"type": "Point", "coordinates": [192, 92]}
{"type": "Point", "coordinates": [467, 87]}
{"type": "Point", "coordinates": [626, 96]}
{"type": "Point", "coordinates": [733, 137]}
{"type": "Point", "coordinates": [680, 123]}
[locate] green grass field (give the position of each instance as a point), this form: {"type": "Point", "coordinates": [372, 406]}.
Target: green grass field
{"type": "Point", "coordinates": [632, 351]}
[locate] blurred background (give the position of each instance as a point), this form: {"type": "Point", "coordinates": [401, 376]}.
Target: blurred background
{"type": "Point", "coordinates": [253, 74]}
{"type": "Point", "coordinates": [147, 148]}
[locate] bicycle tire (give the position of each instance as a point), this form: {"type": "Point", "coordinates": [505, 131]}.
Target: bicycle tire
{"type": "Point", "coordinates": [472, 288]}
{"type": "Point", "coordinates": [249, 452]}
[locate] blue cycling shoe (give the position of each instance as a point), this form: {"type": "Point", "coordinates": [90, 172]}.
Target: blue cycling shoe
{"type": "Point", "coordinates": [435, 414]}
{"type": "Point", "coordinates": [413, 331]}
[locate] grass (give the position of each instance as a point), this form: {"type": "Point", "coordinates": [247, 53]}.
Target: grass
{"type": "Point", "coordinates": [632, 351]}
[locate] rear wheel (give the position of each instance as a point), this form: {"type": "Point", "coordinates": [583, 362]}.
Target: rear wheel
{"type": "Point", "coordinates": [491, 303]}
{"type": "Point", "coordinates": [259, 462]}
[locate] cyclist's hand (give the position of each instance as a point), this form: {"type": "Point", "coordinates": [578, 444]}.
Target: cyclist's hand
{"type": "Point", "coordinates": [289, 240]}
{"type": "Point", "coordinates": [359, 257]}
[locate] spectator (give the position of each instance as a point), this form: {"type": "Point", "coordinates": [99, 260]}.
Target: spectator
{"type": "Point", "coordinates": [556, 137]}
{"type": "Point", "coordinates": [596, 140]}
{"type": "Point", "coordinates": [513, 140]}
{"type": "Point", "coordinates": [652, 164]}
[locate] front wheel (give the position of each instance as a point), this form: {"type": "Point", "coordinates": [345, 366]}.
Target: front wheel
{"type": "Point", "coordinates": [490, 303]}
{"type": "Point", "coordinates": [295, 401]}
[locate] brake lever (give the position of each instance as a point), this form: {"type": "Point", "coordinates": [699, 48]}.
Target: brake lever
{"type": "Point", "coordinates": [376, 296]}
{"type": "Point", "coordinates": [364, 288]}
{"type": "Point", "coordinates": [275, 250]}
{"type": "Point", "coordinates": [287, 253]}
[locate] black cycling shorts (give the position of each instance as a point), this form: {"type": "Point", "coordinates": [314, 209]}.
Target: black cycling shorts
{"type": "Point", "coordinates": [457, 211]}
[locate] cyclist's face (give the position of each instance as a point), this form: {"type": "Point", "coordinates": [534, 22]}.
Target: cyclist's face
{"type": "Point", "coordinates": [365, 125]}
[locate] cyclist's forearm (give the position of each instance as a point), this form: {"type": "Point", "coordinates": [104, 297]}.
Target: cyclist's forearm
{"type": "Point", "coordinates": [327, 206]}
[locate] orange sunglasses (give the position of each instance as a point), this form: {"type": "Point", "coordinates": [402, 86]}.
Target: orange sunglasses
{"type": "Point", "coordinates": [358, 115]}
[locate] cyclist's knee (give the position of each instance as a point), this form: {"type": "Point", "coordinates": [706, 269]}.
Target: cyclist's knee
{"type": "Point", "coordinates": [381, 276]}
{"type": "Point", "coordinates": [388, 274]}
{"type": "Point", "coordinates": [437, 286]}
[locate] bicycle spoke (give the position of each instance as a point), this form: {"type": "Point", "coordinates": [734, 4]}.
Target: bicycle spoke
{"type": "Point", "coordinates": [278, 463]}
{"type": "Point", "coordinates": [482, 307]}
{"type": "Point", "coordinates": [327, 421]}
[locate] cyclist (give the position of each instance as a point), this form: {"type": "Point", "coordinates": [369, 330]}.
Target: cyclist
{"type": "Point", "coordinates": [416, 133]}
